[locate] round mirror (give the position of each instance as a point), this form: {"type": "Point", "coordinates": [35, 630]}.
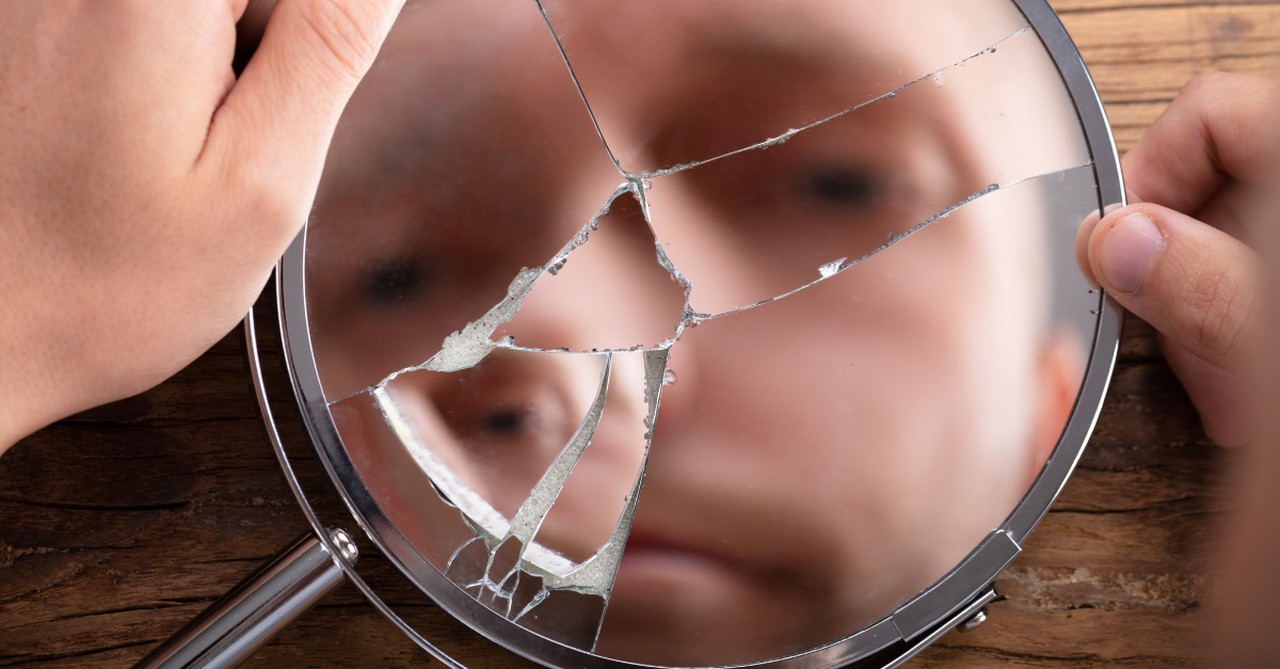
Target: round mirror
{"type": "Point", "coordinates": [706, 333]}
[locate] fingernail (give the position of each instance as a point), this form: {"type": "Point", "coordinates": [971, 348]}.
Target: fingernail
{"type": "Point", "coordinates": [1083, 235]}
{"type": "Point", "coordinates": [1127, 250]}
{"type": "Point", "coordinates": [1087, 226]}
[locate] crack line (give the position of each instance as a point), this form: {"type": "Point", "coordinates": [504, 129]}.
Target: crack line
{"type": "Point", "coordinates": [774, 141]}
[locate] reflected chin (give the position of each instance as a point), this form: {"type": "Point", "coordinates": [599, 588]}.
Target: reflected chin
{"type": "Point", "coordinates": [673, 606]}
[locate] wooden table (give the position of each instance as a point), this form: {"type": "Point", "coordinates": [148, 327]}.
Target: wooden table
{"type": "Point", "coordinates": [118, 525]}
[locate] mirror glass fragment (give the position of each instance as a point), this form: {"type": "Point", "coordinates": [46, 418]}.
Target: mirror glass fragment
{"type": "Point", "coordinates": [701, 332]}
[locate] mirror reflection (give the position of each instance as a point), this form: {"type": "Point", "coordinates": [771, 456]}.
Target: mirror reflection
{"type": "Point", "coordinates": [701, 333]}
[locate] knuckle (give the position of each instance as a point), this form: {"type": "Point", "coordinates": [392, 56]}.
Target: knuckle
{"type": "Point", "coordinates": [1205, 84]}
{"type": "Point", "coordinates": [260, 217]}
{"type": "Point", "coordinates": [260, 207]}
{"type": "Point", "coordinates": [1213, 89]}
{"type": "Point", "coordinates": [344, 32]}
{"type": "Point", "coordinates": [1202, 80]}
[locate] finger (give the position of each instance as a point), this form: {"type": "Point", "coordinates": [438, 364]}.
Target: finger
{"type": "Point", "coordinates": [1220, 125]}
{"type": "Point", "coordinates": [1238, 209]}
{"type": "Point", "coordinates": [1085, 231]}
{"type": "Point", "coordinates": [273, 131]}
{"type": "Point", "coordinates": [1195, 284]}
{"type": "Point", "coordinates": [253, 18]}
{"type": "Point", "coordinates": [1222, 398]}
{"type": "Point", "coordinates": [249, 26]}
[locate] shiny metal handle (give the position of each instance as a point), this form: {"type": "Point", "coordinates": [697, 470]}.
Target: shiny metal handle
{"type": "Point", "coordinates": [233, 628]}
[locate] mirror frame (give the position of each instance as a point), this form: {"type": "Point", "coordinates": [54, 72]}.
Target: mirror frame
{"type": "Point", "coordinates": [951, 601]}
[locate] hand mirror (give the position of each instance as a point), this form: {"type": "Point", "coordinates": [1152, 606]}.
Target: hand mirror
{"type": "Point", "coordinates": [706, 333]}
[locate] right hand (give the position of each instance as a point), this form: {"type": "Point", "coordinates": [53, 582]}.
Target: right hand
{"type": "Point", "coordinates": [1177, 256]}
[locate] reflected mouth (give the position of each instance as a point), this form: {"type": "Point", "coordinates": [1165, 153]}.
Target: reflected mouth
{"type": "Point", "coordinates": [644, 549]}
{"type": "Point", "coordinates": [710, 604]}
{"type": "Point", "coordinates": [650, 559]}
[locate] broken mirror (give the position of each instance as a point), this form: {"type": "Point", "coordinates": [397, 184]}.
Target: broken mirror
{"type": "Point", "coordinates": [702, 333]}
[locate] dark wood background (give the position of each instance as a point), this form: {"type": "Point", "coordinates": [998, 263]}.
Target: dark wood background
{"type": "Point", "coordinates": [118, 525]}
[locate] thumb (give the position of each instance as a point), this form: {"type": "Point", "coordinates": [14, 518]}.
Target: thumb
{"type": "Point", "coordinates": [1195, 284]}
{"type": "Point", "coordinates": [273, 130]}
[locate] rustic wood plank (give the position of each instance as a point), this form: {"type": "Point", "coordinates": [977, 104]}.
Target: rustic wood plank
{"type": "Point", "coordinates": [1141, 53]}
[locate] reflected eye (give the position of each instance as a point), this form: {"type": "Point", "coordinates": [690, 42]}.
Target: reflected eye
{"type": "Point", "coordinates": [843, 186]}
{"type": "Point", "coordinates": [396, 280]}
{"type": "Point", "coordinates": [505, 422]}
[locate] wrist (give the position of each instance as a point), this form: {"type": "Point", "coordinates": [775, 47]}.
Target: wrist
{"type": "Point", "coordinates": [37, 390]}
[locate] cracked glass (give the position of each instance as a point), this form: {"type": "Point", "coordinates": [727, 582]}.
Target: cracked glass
{"type": "Point", "coordinates": [701, 332]}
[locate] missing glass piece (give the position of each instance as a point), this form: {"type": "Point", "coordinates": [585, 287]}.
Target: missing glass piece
{"type": "Point", "coordinates": [832, 268]}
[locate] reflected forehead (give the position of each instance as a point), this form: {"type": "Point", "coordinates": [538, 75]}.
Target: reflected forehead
{"type": "Point", "coordinates": [485, 33]}
{"type": "Point", "coordinates": [781, 32]}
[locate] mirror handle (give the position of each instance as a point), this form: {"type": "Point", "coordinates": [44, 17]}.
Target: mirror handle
{"type": "Point", "coordinates": [237, 625]}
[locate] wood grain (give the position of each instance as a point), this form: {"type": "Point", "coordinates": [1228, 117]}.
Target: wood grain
{"type": "Point", "coordinates": [118, 525]}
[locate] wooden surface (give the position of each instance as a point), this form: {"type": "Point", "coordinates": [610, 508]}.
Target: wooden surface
{"type": "Point", "coordinates": [118, 525]}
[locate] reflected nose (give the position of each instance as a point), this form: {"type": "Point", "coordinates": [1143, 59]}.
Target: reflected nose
{"type": "Point", "coordinates": [610, 293]}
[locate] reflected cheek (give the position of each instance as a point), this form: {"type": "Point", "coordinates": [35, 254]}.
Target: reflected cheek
{"type": "Point", "coordinates": [887, 384]}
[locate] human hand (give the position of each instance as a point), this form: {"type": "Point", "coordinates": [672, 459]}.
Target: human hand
{"type": "Point", "coordinates": [145, 192]}
{"type": "Point", "coordinates": [1177, 256]}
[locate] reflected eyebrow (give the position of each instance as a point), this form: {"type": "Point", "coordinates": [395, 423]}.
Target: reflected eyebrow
{"type": "Point", "coordinates": [778, 54]}
{"type": "Point", "coordinates": [758, 42]}
{"type": "Point", "coordinates": [402, 152]}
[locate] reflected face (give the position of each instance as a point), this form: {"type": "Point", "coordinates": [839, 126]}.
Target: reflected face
{"type": "Point", "coordinates": [850, 390]}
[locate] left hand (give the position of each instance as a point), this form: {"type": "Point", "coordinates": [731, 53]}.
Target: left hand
{"type": "Point", "coordinates": [145, 192]}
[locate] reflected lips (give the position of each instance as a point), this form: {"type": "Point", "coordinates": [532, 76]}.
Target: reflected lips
{"type": "Point", "coordinates": [650, 555]}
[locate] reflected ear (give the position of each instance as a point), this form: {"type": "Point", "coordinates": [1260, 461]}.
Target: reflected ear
{"type": "Point", "coordinates": [1060, 368]}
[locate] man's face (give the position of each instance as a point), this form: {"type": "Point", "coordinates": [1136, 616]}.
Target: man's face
{"type": "Point", "coordinates": [839, 424]}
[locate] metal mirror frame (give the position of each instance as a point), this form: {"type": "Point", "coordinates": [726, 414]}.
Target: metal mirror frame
{"type": "Point", "coordinates": [954, 599]}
